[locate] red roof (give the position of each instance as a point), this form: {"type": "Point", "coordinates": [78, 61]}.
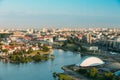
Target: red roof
{"type": "Point", "coordinates": [47, 37]}
{"type": "Point", "coordinates": [40, 38]}
{"type": "Point", "coordinates": [26, 37]}
{"type": "Point", "coordinates": [9, 47]}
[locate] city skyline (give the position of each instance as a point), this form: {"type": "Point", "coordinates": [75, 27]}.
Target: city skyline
{"type": "Point", "coordinates": [59, 13]}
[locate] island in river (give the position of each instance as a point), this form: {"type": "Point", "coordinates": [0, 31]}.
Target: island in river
{"type": "Point", "coordinates": [22, 56]}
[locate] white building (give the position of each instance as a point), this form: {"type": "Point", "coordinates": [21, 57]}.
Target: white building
{"type": "Point", "coordinates": [90, 61]}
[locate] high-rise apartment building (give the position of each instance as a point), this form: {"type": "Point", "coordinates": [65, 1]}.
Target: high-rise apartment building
{"type": "Point", "coordinates": [89, 38]}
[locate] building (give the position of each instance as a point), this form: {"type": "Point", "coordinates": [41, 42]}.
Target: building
{"type": "Point", "coordinates": [30, 31]}
{"type": "Point", "coordinates": [113, 45]}
{"type": "Point", "coordinates": [90, 61]}
{"type": "Point", "coordinates": [89, 38]}
{"type": "Point", "coordinates": [4, 35]}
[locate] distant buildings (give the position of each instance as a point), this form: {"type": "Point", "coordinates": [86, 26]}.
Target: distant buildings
{"type": "Point", "coordinates": [113, 44]}
{"type": "Point", "coordinates": [101, 37]}
{"type": "Point", "coordinates": [30, 31]}
{"type": "Point", "coordinates": [59, 39]}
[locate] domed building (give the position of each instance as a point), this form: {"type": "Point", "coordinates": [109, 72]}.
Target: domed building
{"type": "Point", "coordinates": [90, 61]}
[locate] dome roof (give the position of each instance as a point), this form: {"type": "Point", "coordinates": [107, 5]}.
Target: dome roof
{"type": "Point", "coordinates": [90, 61]}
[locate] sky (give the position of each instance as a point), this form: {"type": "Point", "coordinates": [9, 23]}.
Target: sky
{"type": "Point", "coordinates": [59, 13]}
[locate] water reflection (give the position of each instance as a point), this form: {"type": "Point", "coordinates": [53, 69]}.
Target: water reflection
{"type": "Point", "coordinates": [38, 71]}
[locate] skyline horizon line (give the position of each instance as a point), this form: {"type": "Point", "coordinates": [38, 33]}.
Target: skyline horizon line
{"type": "Point", "coordinates": [67, 27]}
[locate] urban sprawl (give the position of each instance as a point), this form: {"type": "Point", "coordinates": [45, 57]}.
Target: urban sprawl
{"type": "Point", "coordinates": [26, 45]}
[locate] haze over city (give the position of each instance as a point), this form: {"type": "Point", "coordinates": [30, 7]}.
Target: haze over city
{"type": "Point", "coordinates": [59, 39]}
{"type": "Point", "coordinates": [59, 13]}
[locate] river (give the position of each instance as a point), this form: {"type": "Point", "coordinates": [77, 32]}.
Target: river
{"type": "Point", "coordinates": [38, 71]}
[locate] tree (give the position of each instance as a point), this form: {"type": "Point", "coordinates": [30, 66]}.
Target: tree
{"type": "Point", "coordinates": [39, 45]}
{"type": "Point", "coordinates": [93, 72]}
{"type": "Point", "coordinates": [5, 50]}
{"type": "Point", "coordinates": [30, 50]}
{"type": "Point", "coordinates": [82, 71]}
{"type": "Point", "coordinates": [54, 74]}
{"type": "Point", "coordinates": [45, 48]}
{"type": "Point", "coordinates": [108, 76]}
{"type": "Point", "coordinates": [36, 58]}
{"type": "Point", "coordinates": [64, 77]}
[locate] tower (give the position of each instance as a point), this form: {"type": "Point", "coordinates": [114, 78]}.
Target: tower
{"type": "Point", "coordinates": [89, 38]}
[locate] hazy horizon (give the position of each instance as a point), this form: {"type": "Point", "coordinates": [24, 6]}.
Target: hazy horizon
{"type": "Point", "coordinates": [59, 13]}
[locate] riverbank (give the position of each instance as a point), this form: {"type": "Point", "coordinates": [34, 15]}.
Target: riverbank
{"type": "Point", "coordinates": [88, 73]}
{"type": "Point", "coordinates": [35, 56]}
{"type": "Point", "coordinates": [104, 55]}
{"type": "Point", "coordinates": [107, 57]}
{"type": "Point", "coordinates": [78, 73]}
{"type": "Point", "coordinates": [74, 75]}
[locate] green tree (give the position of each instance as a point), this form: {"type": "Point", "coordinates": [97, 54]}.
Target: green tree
{"type": "Point", "coordinates": [45, 48]}
{"type": "Point", "coordinates": [30, 50]}
{"type": "Point", "coordinates": [64, 77]}
{"type": "Point", "coordinates": [5, 50]}
{"type": "Point", "coordinates": [108, 76]}
{"type": "Point", "coordinates": [39, 45]}
{"type": "Point", "coordinates": [82, 71]}
{"type": "Point", "coordinates": [93, 72]}
{"type": "Point", "coordinates": [36, 58]}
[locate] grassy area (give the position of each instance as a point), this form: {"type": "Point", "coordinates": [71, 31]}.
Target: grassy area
{"type": "Point", "coordinates": [63, 76]}
{"type": "Point", "coordinates": [37, 52]}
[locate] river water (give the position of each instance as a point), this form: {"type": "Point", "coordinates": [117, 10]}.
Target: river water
{"type": "Point", "coordinates": [38, 71]}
